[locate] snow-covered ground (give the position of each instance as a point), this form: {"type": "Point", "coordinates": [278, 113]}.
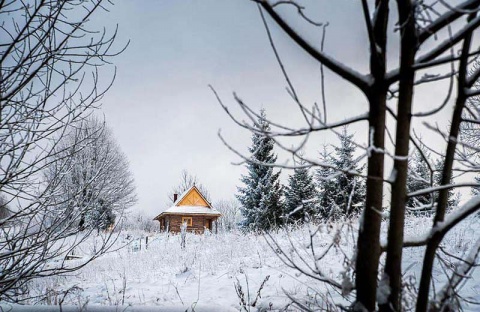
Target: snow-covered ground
{"type": "Point", "coordinates": [212, 267]}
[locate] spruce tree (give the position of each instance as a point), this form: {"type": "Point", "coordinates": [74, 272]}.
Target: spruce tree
{"type": "Point", "coordinates": [327, 188]}
{"type": "Point", "coordinates": [301, 198]}
{"type": "Point", "coordinates": [350, 187]}
{"type": "Point", "coordinates": [342, 192]}
{"type": "Point", "coordinates": [419, 177]}
{"type": "Point", "coordinates": [260, 198]}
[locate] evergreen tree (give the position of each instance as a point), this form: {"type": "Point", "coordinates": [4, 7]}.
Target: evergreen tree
{"type": "Point", "coordinates": [100, 217]}
{"type": "Point", "coordinates": [260, 198]}
{"type": "Point", "coordinates": [327, 188]}
{"type": "Point", "coordinates": [350, 187]}
{"type": "Point", "coordinates": [419, 177]}
{"type": "Point", "coordinates": [301, 198]}
{"type": "Point", "coordinates": [342, 192]}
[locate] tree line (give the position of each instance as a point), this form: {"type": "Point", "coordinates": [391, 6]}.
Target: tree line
{"type": "Point", "coordinates": [333, 191]}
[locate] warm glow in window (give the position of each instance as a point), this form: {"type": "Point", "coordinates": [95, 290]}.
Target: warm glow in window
{"type": "Point", "coordinates": [187, 220]}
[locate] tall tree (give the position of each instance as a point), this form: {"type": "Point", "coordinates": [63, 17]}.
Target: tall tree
{"type": "Point", "coordinates": [327, 188]}
{"type": "Point", "coordinates": [342, 191]}
{"type": "Point", "coordinates": [53, 62]}
{"type": "Point", "coordinates": [301, 197]}
{"type": "Point", "coordinates": [350, 195]}
{"type": "Point", "coordinates": [260, 198]}
{"type": "Point", "coordinates": [420, 176]}
{"type": "Point", "coordinates": [98, 185]}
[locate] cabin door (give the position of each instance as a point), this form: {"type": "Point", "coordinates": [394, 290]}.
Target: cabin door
{"type": "Point", "coordinates": [208, 224]}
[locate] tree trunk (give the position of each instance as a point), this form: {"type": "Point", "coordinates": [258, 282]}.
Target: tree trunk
{"type": "Point", "coordinates": [393, 265]}
{"type": "Point", "coordinates": [368, 245]}
{"type": "Point", "coordinates": [424, 288]}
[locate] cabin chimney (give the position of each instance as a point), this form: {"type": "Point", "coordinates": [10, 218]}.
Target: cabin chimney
{"type": "Point", "coordinates": [175, 196]}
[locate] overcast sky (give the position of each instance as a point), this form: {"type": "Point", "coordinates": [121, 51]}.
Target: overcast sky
{"type": "Point", "coordinates": [165, 117]}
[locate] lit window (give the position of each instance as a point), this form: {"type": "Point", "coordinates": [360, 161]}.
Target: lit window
{"type": "Point", "coordinates": [187, 220]}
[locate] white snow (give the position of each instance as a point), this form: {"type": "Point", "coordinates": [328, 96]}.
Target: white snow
{"type": "Point", "coordinates": [393, 176]}
{"type": "Point", "coordinates": [383, 290]}
{"type": "Point", "coordinates": [461, 271]}
{"type": "Point", "coordinates": [450, 220]}
{"type": "Point", "coordinates": [191, 210]}
{"type": "Point", "coordinates": [203, 274]}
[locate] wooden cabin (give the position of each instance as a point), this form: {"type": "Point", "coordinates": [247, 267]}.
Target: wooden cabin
{"type": "Point", "coordinates": [191, 208]}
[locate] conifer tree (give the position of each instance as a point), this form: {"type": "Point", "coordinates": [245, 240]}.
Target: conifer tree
{"type": "Point", "coordinates": [301, 197]}
{"type": "Point", "coordinates": [419, 177]}
{"type": "Point", "coordinates": [341, 193]}
{"type": "Point", "coordinates": [260, 198]}
{"type": "Point", "coordinates": [327, 189]}
{"type": "Point", "coordinates": [350, 187]}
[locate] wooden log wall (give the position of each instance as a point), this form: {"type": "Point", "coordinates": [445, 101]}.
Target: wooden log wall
{"type": "Point", "coordinates": [199, 223]}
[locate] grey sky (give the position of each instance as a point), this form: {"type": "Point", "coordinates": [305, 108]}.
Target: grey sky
{"type": "Point", "coordinates": [165, 117]}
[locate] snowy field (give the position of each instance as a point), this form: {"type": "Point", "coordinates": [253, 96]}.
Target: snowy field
{"type": "Point", "coordinates": [207, 274]}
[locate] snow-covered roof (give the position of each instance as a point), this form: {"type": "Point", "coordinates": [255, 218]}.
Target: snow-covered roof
{"type": "Point", "coordinates": [193, 208]}
{"type": "Point", "coordinates": [196, 210]}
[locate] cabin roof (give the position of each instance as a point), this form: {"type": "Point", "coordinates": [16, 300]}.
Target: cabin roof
{"type": "Point", "coordinates": [186, 210]}
{"type": "Point", "coordinates": [198, 208]}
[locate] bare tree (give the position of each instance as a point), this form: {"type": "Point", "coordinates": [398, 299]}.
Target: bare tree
{"type": "Point", "coordinates": [90, 180]}
{"type": "Point", "coordinates": [187, 180]}
{"type": "Point", "coordinates": [50, 66]}
{"type": "Point", "coordinates": [138, 221]}
{"type": "Point", "coordinates": [434, 47]}
{"type": "Point", "coordinates": [231, 215]}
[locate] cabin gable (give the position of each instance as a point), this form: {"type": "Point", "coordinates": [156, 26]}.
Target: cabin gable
{"type": "Point", "coordinates": [193, 198]}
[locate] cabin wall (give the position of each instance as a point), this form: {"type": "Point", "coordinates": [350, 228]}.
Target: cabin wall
{"type": "Point", "coordinates": [199, 223]}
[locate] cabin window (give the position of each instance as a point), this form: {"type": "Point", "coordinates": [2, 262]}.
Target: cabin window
{"type": "Point", "coordinates": [187, 220]}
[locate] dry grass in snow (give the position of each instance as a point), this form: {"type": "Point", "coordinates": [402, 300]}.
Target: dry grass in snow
{"type": "Point", "coordinates": [226, 271]}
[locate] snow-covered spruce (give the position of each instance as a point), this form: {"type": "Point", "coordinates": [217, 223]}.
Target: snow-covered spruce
{"type": "Point", "coordinates": [342, 191]}
{"type": "Point", "coordinates": [260, 196]}
{"type": "Point", "coordinates": [301, 197]}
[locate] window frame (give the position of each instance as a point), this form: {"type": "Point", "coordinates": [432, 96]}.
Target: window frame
{"type": "Point", "coordinates": [188, 219]}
